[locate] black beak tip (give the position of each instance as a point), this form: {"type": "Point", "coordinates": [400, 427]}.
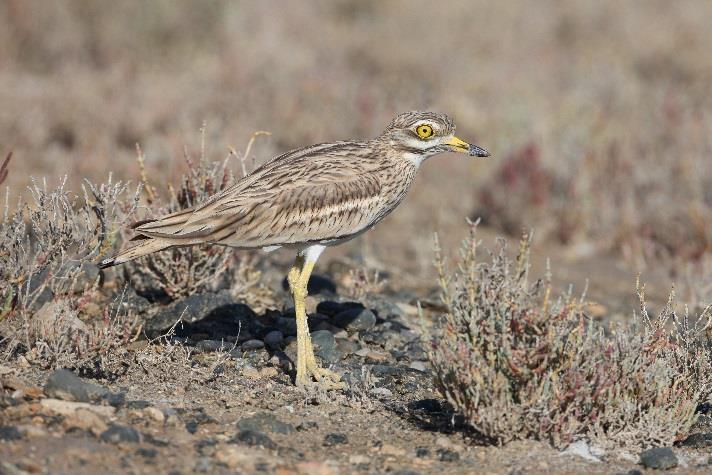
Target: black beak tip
{"type": "Point", "coordinates": [476, 151]}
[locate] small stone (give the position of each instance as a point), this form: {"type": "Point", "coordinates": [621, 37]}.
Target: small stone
{"type": "Point", "coordinates": [232, 457]}
{"type": "Point", "coordinates": [117, 434]}
{"type": "Point", "coordinates": [384, 392]}
{"type": "Point", "coordinates": [155, 414]}
{"type": "Point", "coordinates": [264, 421]}
{"type": "Point", "coordinates": [325, 346]}
{"type": "Point", "coordinates": [86, 420]}
{"type": "Point", "coordinates": [659, 458]}
{"type": "Point", "coordinates": [252, 345]}
{"type": "Point", "coordinates": [307, 425]}
{"type": "Point", "coordinates": [63, 384]}
{"type": "Point", "coordinates": [418, 366]}
{"type": "Point", "coordinates": [274, 339]}
{"type": "Point", "coordinates": [355, 319]}
{"type": "Point", "coordinates": [359, 459]}
{"type": "Point", "coordinates": [255, 438]}
{"type": "Point", "coordinates": [8, 433]}
{"type": "Point", "coordinates": [446, 455]}
{"type": "Point", "coordinates": [209, 346]}
{"type": "Point", "coordinates": [422, 452]}
{"type": "Point", "coordinates": [68, 408]}
{"type": "Point", "coordinates": [698, 441]}
{"type": "Point", "coordinates": [269, 372]}
{"type": "Point", "coordinates": [250, 372]}
{"type": "Point", "coordinates": [334, 439]}
{"type": "Point", "coordinates": [331, 308]}
{"type": "Point", "coordinates": [147, 452]}
{"type": "Point", "coordinates": [392, 450]}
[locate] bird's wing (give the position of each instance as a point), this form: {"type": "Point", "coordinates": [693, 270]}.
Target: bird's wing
{"type": "Point", "coordinates": [319, 193]}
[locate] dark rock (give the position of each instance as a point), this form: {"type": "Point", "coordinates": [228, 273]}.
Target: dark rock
{"type": "Point", "coordinates": [422, 452]}
{"type": "Point", "coordinates": [405, 471]}
{"type": "Point", "coordinates": [8, 433]}
{"type": "Point", "coordinates": [446, 455]}
{"type": "Point", "coordinates": [254, 438]}
{"type": "Point", "coordinates": [7, 401]}
{"type": "Point", "coordinates": [307, 425]}
{"type": "Point", "coordinates": [325, 346]}
{"type": "Point", "coordinates": [209, 346]}
{"type": "Point", "coordinates": [196, 308]}
{"type": "Point", "coordinates": [63, 384]}
{"type": "Point", "coordinates": [347, 347]}
{"type": "Point", "coordinates": [264, 422]}
{"type": "Point", "coordinates": [659, 458]}
{"type": "Point", "coordinates": [274, 340]}
{"type": "Point", "coordinates": [117, 434]}
{"type": "Point", "coordinates": [318, 284]}
{"type": "Point", "coordinates": [138, 404]}
{"type": "Point", "coordinates": [634, 472]}
{"type": "Point", "coordinates": [196, 418]}
{"type": "Point", "coordinates": [147, 452]}
{"type": "Point", "coordinates": [331, 308]}
{"type": "Point", "coordinates": [698, 441]}
{"type": "Point", "coordinates": [355, 319]}
{"type": "Point", "coordinates": [335, 439]}
{"type": "Point", "coordinates": [704, 408]}
{"type": "Point", "coordinates": [252, 345]}
{"type": "Point", "coordinates": [383, 307]}
{"type": "Point", "coordinates": [426, 405]}
{"type": "Point", "coordinates": [288, 326]}
{"type": "Point", "coordinates": [133, 302]}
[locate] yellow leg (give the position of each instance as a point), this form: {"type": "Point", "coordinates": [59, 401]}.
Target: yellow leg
{"type": "Point", "coordinates": [307, 366]}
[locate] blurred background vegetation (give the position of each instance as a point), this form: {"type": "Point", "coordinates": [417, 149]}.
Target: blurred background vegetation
{"type": "Point", "coordinates": [597, 113]}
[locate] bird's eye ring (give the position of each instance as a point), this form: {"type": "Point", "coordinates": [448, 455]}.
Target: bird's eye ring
{"type": "Point", "coordinates": [424, 131]}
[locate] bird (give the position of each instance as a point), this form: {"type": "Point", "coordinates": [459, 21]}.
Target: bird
{"type": "Point", "coordinates": [307, 200]}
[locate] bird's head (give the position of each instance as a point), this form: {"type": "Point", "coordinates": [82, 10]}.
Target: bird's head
{"type": "Point", "coordinates": [419, 135]}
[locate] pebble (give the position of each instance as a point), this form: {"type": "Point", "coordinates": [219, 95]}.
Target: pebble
{"type": "Point", "coordinates": [86, 420]}
{"type": "Point", "coordinates": [392, 450]}
{"type": "Point", "coordinates": [422, 452]}
{"type": "Point", "coordinates": [335, 439]}
{"type": "Point", "coordinates": [385, 392]}
{"type": "Point", "coordinates": [659, 458]}
{"type": "Point", "coordinates": [155, 414]}
{"type": "Point", "coordinates": [209, 346]}
{"type": "Point", "coordinates": [250, 372]}
{"type": "Point", "coordinates": [419, 366]}
{"type": "Point", "coordinates": [67, 408]}
{"type": "Point", "coordinates": [331, 308]}
{"type": "Point", "coordinates": [264, 422]}
{"type": "Point", "coordinates": [274, 339]}
{"type": "Point", "coordinates": [446, 455]}
{"type": "Point", "coordinates": [325, 346]}
{"type": "Point", "coordinates": [117, 434]}
{"type": "Point", "coordinates": [63, 384]}
{"type": "Point", "coordinates": [252, 345]}
{"type": "Point", "coordinates": [359, 459]}
{"type": "Point", "coordinates": [233, 457]}
{"type": "Point", "coordinates": [355, 319]}
{"type": "Point", "coordinates": [698, 441]}
{"type": "Point", "coordinates": [8, 433]}
{"type": "Point", "coordinates": [255, 439]}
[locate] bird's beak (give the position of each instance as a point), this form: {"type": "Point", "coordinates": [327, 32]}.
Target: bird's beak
{"type": "Point", "coordinates": [457, 145]}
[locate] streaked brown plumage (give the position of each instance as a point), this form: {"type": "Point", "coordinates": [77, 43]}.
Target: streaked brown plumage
{"type": "Point", "coordinates": [309, 199]}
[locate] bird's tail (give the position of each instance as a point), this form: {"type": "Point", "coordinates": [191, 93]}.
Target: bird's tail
{"type": "Point", "coordinates": [135, 250]}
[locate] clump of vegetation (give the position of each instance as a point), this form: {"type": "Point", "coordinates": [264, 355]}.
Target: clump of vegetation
{"type": "Point", "coordinates": [185, 271]}
{"type": "Point", "coordinates": [519, 364]}
{"type": "Point", "coordinates": [47, 277]}
{"type": "Point", "coordinates": [55, 310]}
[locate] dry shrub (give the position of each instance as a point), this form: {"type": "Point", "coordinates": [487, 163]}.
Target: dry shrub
{"type": "Point", "coordinates": [184, 271]}
{"type": "Point", "coordinates": [518, 364]}
{"type": "Point", "coordinates": [48, 280]}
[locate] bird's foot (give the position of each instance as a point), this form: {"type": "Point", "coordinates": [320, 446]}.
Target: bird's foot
{"type": "Point", "coordinates": [323, 378]}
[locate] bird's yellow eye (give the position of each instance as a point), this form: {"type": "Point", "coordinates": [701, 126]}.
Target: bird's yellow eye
{"type": "Point", "coordinates": [424, 131]}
